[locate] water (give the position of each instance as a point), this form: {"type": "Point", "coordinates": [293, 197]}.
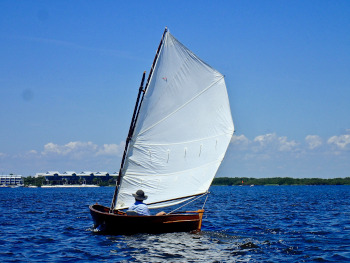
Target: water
{"type": "Point", "coordinates": [241, 224]}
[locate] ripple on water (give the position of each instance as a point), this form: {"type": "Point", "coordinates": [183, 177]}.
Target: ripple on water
{"type": "Point", "coordinates": [241, 224]}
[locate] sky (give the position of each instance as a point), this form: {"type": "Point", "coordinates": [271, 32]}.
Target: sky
{"type": "Point", "coordinates": [70, 71]}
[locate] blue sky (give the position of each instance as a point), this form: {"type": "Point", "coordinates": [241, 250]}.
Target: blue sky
{"type": "Point", "coordinates": [70, 70]}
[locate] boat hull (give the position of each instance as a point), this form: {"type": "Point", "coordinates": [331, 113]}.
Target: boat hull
{"type": "Point", "coordinates": [120, 223]}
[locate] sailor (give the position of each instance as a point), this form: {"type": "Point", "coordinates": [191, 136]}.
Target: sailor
{"type": "Point", "coordinates": [139, 207]}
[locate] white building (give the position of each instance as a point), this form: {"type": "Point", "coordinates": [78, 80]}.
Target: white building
{"type": "Point", "coordinates": [11, 180]}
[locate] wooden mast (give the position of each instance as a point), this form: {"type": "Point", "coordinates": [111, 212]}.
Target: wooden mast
{"type": "Point", "coordinates": [131, 130]}
{"type": "Point", "coordinates": [134, 119]}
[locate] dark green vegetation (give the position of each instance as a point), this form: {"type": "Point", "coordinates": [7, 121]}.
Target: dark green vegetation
{"type": "Point", "coordinates": [33, 181]}
{"type": "Point", "coordinates": [279, 181]}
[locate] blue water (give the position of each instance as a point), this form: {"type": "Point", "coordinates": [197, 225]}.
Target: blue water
{"type": "Point", "coordinates": [241, 224]}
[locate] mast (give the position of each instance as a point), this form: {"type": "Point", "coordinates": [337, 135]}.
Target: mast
{"type": "Point", "coordinates": [134, 118]}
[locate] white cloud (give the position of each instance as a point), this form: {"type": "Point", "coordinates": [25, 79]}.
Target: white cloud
{"type": "Point", "coordinates": [272, 142]}
{"type": "Point", "coordinates": [265, 153]}
{"type": "Point", "coordinates": [110, 149]}
{"type": "Point", "coordinates": [265, 139]}
{"type": "Point", "coordinates": [75, 148]}
{"type": "Point", "coordinates": [285, 145]}
{"type": "Point", "coordinates": [80, 150]}
{"type": "Point", "coordinates": [239, 139]}
{"type": "Point", "coordinates": [240, 142]}
{"type": "Point", "coordinates": [313, 141]}
{"type": "Point", "coordinates": [341, 142]}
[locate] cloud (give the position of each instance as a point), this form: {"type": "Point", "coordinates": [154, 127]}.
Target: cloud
{"type": "Point", "coordinates": [111, 149]}
{"type": "Point", "coordinates": [266, 154]}
{"type": "Point", "coordinates": [240, 142]}
{"type": "Point", "coordinates": [272, 155]}
{"type": "Point", "coordinates": [340, 142]}
{"type": "Point", "coordinates": [272, 142]}
{"type": "Point", "coordinates": [74, 149]}
{"type": "Point", "coordinates": [313, 141]}
{"type": "Point", "coordinates": [239, 139]}
{"type": "Point", "coordinates": [263, 147]}
{"type": "Point", "coordinates": [80, 150]}
{"type": "Point", "coordinates": [265, 139]}
{"type": "Point", "coordinates": [285, 145]}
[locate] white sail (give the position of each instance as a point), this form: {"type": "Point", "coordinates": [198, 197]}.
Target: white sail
{"type": "Point", "coordinates": [182, 133]}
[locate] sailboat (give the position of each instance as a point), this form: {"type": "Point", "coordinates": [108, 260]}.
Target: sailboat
{"type": "Point", "coordinates": [178, 136]}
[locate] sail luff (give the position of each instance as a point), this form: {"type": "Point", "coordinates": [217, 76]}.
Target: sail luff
{"type": "Point", "coordinates": [155, 59]}
{"type": "Point", "coordinates": [131, 131]}
{"type": "Point", "coordinates": [134, 119]}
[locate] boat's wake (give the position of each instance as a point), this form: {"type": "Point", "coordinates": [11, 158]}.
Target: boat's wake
{"type": "Point", "coordinates": [205, 246]}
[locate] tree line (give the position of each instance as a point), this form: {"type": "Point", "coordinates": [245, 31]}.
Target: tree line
{"type": "Point", "coordinates": [279, 181]}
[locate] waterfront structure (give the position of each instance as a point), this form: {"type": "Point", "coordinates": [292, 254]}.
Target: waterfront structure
{"type": "Point", "coordinates": [71, 177]}
{"type": "Point", "coordinates": [11, 180]}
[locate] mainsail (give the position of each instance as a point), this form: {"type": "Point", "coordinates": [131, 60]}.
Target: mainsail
{"type": "Point", "coordinates": [182, 131]}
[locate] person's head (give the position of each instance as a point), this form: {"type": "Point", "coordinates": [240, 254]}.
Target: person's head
{"type": "Point", "coordinates": [140, 195]}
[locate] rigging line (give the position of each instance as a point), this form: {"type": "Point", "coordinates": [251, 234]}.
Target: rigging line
{"type": "Point", "coordinates": [187, 203]}
{"type": "Point", "coordinates": [205, 201]}
{"type": "Point", "coordinates": [175, 199]}
{"type": "Point", "coordinates": [182, 106]}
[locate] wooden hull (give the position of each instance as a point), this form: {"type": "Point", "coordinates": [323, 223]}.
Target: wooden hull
{"type": "Point", "coordinates": [119, 223]}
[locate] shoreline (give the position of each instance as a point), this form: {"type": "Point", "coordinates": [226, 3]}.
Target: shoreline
{"type": "Point", "coordinates": [69, 186]}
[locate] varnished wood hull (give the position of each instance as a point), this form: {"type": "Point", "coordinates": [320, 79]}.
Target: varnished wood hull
{"type": "Point", "coordinates": [115, 223]}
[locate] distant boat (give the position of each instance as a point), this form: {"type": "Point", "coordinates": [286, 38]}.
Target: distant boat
{"type": "Point", "coordinates": [179, 133]}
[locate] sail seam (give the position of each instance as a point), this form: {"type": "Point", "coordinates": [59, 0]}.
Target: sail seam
{"type": "Point", "coordinates": [176, 143]}
{"type": "Point", "coordinates": [182, 106]}
{"type": "Point", "coordinates": [171, 174]}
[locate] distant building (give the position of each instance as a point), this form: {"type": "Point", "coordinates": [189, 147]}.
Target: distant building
{"type": "Point", "coordinates": [71, 177]}
{"type": "Point", "coordinates": [11, 180]}
{"type": "Point", "coordinates": [114, 174]}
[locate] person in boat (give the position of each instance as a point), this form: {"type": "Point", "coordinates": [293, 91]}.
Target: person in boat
{"type": "Point", "coordinates": [139, 207]}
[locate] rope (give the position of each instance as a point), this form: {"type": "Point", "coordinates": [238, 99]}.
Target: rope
{"type": "Point", "coordinates": [190, 202]}
{"type": "Point", "coordinates": [205, 200]}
